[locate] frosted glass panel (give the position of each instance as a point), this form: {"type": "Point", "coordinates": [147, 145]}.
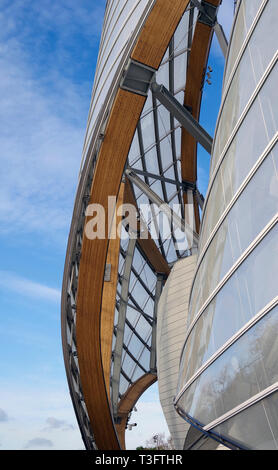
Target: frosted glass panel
{"type": "Point", "coordinates": [249, 289]}
{"type": "Point", "coordinates": [253, 210]}
{"type": "Point", "coordinates": [256, 427]}
{"type": "Point", "coordinates": [252, 66]}
{"type": "Point", "coordinates": [245, 369]}
{"type": "Point", "coordinates": [247, 12]}
{"type": "Point", "coordinates": [258, 128]}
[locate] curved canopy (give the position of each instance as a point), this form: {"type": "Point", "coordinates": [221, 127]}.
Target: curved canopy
{"type": "Point", "coordinates": [138, 150]}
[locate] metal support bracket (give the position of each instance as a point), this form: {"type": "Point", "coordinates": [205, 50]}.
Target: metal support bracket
{"type": "Point", "coordinates": [190, 186]}
{"type": "Point", "coordinates": [207, 12]}
{"type": "Point", "coordinates": [137, 78]}
{"type": "Point", "coordinates": [183, 116]}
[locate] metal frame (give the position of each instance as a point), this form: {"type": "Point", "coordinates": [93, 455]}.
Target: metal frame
{"type": "Point", "coordinates": [209, 434]}
{"type": "Point", "coordinates": [158, 291]}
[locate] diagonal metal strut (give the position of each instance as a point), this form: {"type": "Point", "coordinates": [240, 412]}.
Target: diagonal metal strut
{"type": "Point", "coordinates": [183, 116]}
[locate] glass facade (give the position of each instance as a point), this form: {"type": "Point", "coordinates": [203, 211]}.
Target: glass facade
{"type": "Point", "coordinates": [228, 374]}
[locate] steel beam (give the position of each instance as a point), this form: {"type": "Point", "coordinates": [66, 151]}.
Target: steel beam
{"type": "Point", "coordinates": [183, 116]}
{"type": "Point", "coordinates": [158, 290]}
{"type": "Point", "coordinates": [221, 38]}
{"type": "Point", "coordinates": [156, 177]}
{"type": "Point", "coordinates": [117, 353]}
{"type": "Point", "coordinates": [207, 12]}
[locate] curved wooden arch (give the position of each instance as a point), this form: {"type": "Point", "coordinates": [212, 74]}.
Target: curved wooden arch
{"type": "Point", "coordinates": [150, 49]}
{"type": "Point", "coordinates": [192, 99]}
{"type": "Point", "coordinates": [109, 296]}
{"type": "Point", "coordinates": [129, 400]}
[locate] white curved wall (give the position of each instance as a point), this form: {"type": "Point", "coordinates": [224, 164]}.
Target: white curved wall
{"type": "Point", "coordinates": [171, 324]}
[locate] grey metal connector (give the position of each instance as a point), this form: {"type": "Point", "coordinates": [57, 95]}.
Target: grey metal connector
{"type": "Point", "coordinates": [137, 78]}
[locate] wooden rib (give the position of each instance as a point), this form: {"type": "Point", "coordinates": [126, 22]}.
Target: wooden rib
{"type": "Point", "coordinates": [192, 98]}
{"type": "Point", "coordinates": [164, 18]}
{"type": "Point", "coordinates": [119, 133]}
{"type": "Point", "coordinates": [148, 245]}
{"type": "Point", "coordinates": [129, 400]}
{"type": "Point", "coordinates": [108, 298]}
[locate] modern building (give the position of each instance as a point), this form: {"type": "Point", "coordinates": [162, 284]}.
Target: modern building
{"type": "Point", "coordinates": [228, 375]}
{"type": "Point", "coordinates": [160, 283]}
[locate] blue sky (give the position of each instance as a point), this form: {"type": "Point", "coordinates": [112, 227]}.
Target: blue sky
{"type": "Point", "coordinates": [48, 52]}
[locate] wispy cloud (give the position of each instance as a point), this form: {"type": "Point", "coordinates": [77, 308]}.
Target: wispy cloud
{"type": "Point", "coordinates": [54, 423]}
{"type": "Point", "coordinates": [31, 410]}
{"type": "Point", "coordinates": [44, 105]}
{"type": "Point", "coordinates": [28, 288]}
{"type": "Point", "coordinates": [38, 442]}
{"type": "Point", "coordinates": [3, 416]}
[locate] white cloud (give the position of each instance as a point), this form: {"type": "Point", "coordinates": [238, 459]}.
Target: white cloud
{"type": "Point", "coordinates": [43, 112]}
{"type": "Point", "coordinates": [38, 443]}
{"type": "Point", "coordinates": [54, 423]}
{"type": "Point", "coordinates": [30, 410]}
{"type": "Point", "coordinates": [28, 288]}
{"type": "Point", "coordinates": [3, 416]}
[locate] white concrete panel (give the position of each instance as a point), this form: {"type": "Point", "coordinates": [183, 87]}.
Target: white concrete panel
{"type": "Point", "coordinates": [171, 331]}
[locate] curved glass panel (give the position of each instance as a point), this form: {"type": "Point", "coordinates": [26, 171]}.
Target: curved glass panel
{"type": "Point", "coordinates": [242, 371]}
{"type": "Point", "coordinates": [153, 156]}
{"type": "Point", "coordinates": [249, 290]}
{"type": "Point", "coordinates": [255, 427]}
{"type": "Point", "coordinates": [246, 14]}
{"type": "Point", "coordinates": [256, 57]}
{"type": "Point", "coordinates": [252, 211]}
